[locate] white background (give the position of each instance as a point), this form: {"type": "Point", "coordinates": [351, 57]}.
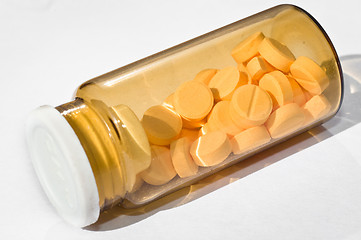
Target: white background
{"type": "Point", "coordinates": [49, 47]}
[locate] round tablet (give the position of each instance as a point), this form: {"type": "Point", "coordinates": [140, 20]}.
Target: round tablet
{"type": "Point", "coordinates": [317, 106]}
{"type": "Point", "coordinates": [205, 75]}
{"type": "Point", "coordinates": [137, 185]}
{"type": "Point", "coordinates": [134, 142]}
{"type": "Point", "coordinates": [308, 95]}
{"type": "Point", "coordinates": [248, 48]}
{"type": "Point", "coordinates": [277, 54]}
{"type": "Point", "coordinates": [193, 124]}
{"type": "Point", "coordinates": [193, 100]}
{"type": "Point", "coordinates": [182, 160]}
{"type": "Point", "coordinates": [161, 169]}
{"type": "Point", "coordinates": [250, 106]}
{"type": "Point", "coordinates": [285, 120]}
{"type": "Point", "coordinates": [309, 75]}
{"type": "Point", "coordinates": [211, 149]}
{"type": "Point", "coordinates": [298, 94]}
{"type": "Point", "coordinates": [257, 67]}
{"type": "Point", "coordinates": [169, 102]}
{"type": "Point", "coordinates": [161, 125]}
{"type": "Point", "coordinates": [250, 139]}
{"type": "Point", "coordinates": [220, 119]}
{"type": "Point", "coordinates": [225, 82]}
{"type": "Point", "coordinates": [243, 71]}
{"type": "Point", "coordinates": [204, 130]}
{"type": "Point", "coordinates": [276, 84]}
{"type": "Point", "coordinates": [191, 134]}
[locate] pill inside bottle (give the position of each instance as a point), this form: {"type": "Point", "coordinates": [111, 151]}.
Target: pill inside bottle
{"type": "Point", "coordinates": [148, 129]}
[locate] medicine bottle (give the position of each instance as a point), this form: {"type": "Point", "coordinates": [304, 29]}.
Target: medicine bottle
{"type": "Point", "coordinates": [164, 122]}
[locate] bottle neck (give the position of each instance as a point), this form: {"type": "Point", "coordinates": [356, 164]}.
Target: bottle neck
{"type": "Point", "coordinates": [98, 135]}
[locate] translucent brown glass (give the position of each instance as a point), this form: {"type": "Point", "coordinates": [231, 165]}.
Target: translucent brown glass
{"type": "Point", "coordinates": [138, 86]}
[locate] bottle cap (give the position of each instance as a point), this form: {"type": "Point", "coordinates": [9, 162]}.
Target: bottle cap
{"type": "Point", "coordinates": [62, 166]}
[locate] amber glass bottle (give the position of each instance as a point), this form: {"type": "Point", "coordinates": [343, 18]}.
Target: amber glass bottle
{"type": "Point", "coordinates": [154, 126]}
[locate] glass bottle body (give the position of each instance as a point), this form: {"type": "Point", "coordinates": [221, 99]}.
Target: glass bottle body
{"type": "Point", "coordinates": [108, 111]}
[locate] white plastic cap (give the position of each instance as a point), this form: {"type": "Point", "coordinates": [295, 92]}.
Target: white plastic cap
{"type": "Point", "coordinates": [62, 166]}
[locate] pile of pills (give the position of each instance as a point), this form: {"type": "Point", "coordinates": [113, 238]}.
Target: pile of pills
{"type": "Point", "coordinates": [267, 95]}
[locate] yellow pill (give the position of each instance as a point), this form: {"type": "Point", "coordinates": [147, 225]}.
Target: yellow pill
{"type": "Point", "coordinates": [308, 95]}
{"type": "Point", "coordinates": [285, 120]}
{"type": "Point", "coordinates": [204, 130]}
{"type": "Point", "coordinates": [309, 75]}
{"type": "Point", "coordinates": [220, 119]}
{"type": "Point", "coordinates": [161, 125]}
{"type": "Point", "coordinates": [276, 84]}
{"type": "Point", "coordinates": [191, 134]}
{"type": "Point", "coordinates": [243, 70]}
{"type": "Point", "coordinates": [317, 106]}
{"type": "Point", "coordinates": [298, 94]}
{"type": "Point", "coordinates": [257, 67]}
{"type": "Point", "coordinates": [250, 106]}
{"type": "Point", "coordinates": [193, 100]}
{"type": "Point", "coordinates": [161, 169]}
{"type": "Point", "coordinates": [277, 54]}
{"type": "Point", "coordinates": [192, 124]}
{"type": "Point", "coordinates": [138, 184]}
{"type": "Point", "coordinates": [134, 142]}
{"type": "Point", "coordinates": [182, 160]}
{"type": "Point", "coordinates": [249, 139]}
{"type": "Point", "coordinates": [225, 82]}
{"type": "Point", "coordinates": [211, 149]}
{"type": "Point", "coordinates": [169, 102]}
{"type": "Point", "coordinates": [205, 75]}
{"type": "Point", "coordinates": [248, 48]}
